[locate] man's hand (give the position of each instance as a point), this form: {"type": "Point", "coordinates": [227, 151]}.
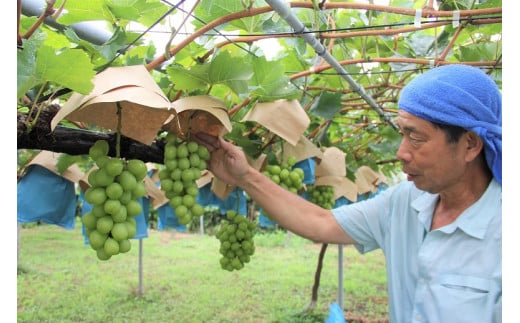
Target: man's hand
{"type": "Point", "coordinates": [228, 162]}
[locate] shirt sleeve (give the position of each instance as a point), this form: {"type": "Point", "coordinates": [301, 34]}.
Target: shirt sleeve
{"type": "Point", "coordinates": [366, 221]}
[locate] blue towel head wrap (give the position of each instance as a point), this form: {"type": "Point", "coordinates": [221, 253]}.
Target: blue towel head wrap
{"type": "Point", "coordinates": [460, 95]}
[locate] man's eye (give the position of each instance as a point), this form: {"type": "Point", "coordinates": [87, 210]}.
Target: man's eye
{"type": "Point", "coordinates": [415, 140]}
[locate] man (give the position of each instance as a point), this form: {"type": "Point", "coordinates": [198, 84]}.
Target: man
{"type": "Point", "coordinates": [440, 231]}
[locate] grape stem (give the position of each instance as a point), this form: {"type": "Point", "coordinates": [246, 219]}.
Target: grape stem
{"type": "Point", "coordinates": [119, 126]}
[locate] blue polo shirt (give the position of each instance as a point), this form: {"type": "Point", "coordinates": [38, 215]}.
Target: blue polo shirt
{"type": "Point", "coordinates": [451, 274]}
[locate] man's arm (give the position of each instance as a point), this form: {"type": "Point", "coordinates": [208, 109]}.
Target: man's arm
{"type": "Point", "coordinates": [289, 210]}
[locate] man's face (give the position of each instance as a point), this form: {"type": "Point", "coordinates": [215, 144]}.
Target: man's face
{"type": "Point", "coordinates": [428, 159]}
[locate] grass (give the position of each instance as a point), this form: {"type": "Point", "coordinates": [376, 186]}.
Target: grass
{"type": "Point", "coordinates": [61, 280]}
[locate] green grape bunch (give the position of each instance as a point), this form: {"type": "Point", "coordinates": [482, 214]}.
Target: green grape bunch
{"type": "Point", "coordinates": [236, 235]}
{"type": "Point", "coordinates": [115, 187]}
{"type": "Point", "coordinates": [184, 162]}
{"type": "Point", "coordinates": [286, 175]}
{"type": "Point", "coordinates": [322, 195]}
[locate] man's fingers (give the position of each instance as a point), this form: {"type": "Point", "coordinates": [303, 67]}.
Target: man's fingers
{"type": "Point", "coordinates": [211, 142]}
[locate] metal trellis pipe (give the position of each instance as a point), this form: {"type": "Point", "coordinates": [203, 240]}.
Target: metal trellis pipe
{"type": "Point", "coordinates": [86, 30]}
{"type": "Point", "coordinates": [284, 10]}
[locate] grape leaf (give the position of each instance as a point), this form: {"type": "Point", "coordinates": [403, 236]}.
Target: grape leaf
{"type": "Point", "coordinates": [327, 105]}
{"type": "Point", "coordinates": [27, 77]}
{"type": "Point", "coordinates": [80, 11]}
{"type": "Point", "coordinates": [71, 68]}
{"type": "Point", "coordinates": [188, 79]}
{"type": "Point", "coordinates": [232, 71]}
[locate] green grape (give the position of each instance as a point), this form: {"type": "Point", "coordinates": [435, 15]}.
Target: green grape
{"type": "Point", "coordinates": [114, 191]}
{"type": "Point", "coordinates": [182, 150]}
{"type": "Point", "coordinates": [115, 186]}
{"type": "Point", "coordinates": [139, 190]}
{"type": "Point", "coordinates": [97, 239]}
{"type": "Point", "coordinates": [125, 246]}
{"type": "Point", "coordinates": [184, 162]}
{"type": "Point", "coordinates": [126, 197]}
{"type": "Point", "coordinates": [127, 180]}
{"type": "Point", "coordinates": [133, 208]}
{"type": "Point", "coordinates": [98, 210]}
{"type": "Point", "coordinates": [322, 195]}
{"type": "Point", "coordinates": [119, 231]}
{"type": "Point", "coordinates": [137, 168]}
{"type": "Point", "coordinates": [104, 224]}
{"type": "Point", "coordinates": [95, 195]}
{"type": "Point", "coordinates": [163, 174]}
{"type": "Point", "coordinates": [98, 149]}
{"type": "Point", "coordinates": [170, 152]}
{"type": "Point", "coordinates": [114, 167]}
{"type": "Point", "coordinates": [286, 175]}
{"type": "Point", "coordinates": [120, 216]}
{"type": "Point", "coordinates": [102, 254]}
{"type": "Point", "coordinates": [112, 206]}
{"type": "Point", "coordinates": [89, 220]}
{"type": "Point", "coordinates": [111, 246]}
{"type": "Point", "coordinates": [102, 161]}
{"type": "Point", "coordinates": [103, 178]}
{"type": "Point", "coordinates": [235, 234]}
{"type": "Point", "coordinates": [131, 227]}
{"type": "Point", "coordinates": [291, 161]}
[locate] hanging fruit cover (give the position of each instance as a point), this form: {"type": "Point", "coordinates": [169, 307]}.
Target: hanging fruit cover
{"type": "Point", "coordinates": [156, 195]}
{"type": "Point", "coordinates": [331, 170]}
{"type": "Point", "coordinates": [144, 107]}
{"type": "Point", "coordinates": [286, 118]}
{"type": "Point", "coordinates": [332, 163]}
{"type": "Point", "coordinates": [49, 159]}
{"type": "Point", "coordinates": [199, 113]}
{"type": "Point", "coordinates": [368, 180]}
{"type": "Point", "coordinates": [303, 149]}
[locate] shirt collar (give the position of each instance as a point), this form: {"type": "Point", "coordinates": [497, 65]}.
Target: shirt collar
{"type": "Point", "coordinates": [473, 221]}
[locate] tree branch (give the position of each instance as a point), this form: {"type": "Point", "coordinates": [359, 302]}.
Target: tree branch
{"type": "Point", "coordinates": [75, 141]}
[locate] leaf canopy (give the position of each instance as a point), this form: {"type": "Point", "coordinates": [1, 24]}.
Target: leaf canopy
{"type": "Point", "coordinates": [219, 51]}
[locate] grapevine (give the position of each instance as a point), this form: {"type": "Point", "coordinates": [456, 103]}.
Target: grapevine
{"type": "Point", "coordinates": [184, 162]}
{"type": "Point", "coordinates": [237, 246]}
{"type": "Point", "coordinates": [115, 187]}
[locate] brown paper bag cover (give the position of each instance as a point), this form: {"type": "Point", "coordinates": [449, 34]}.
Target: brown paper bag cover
{"type": "Point", "coordinates": [368, 180]}
{"type": "Point", "coordinates": [332, 163]}
{"type": "Point", "coordinates": [286, 118]}
{"type": "Point", "coordinates": [303, 149]}
{"type": "Point", "coordinates": [49, 159]}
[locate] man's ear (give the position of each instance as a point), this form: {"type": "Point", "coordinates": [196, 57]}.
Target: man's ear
{"type": "Point", "coordinates": [474, 145]}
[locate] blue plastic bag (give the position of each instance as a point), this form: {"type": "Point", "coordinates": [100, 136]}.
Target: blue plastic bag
{"type": "Point", "coordinates": [235, 201]}
{"type": "Point", "coordinates": [206, 197]}
{"type": "Point", "coordinates": [141, 220]}
{"type": "Point", "coordinates": [45, 196]}
{"type": "Point", "coordinates": [341, 201]}
{"type": "Point", "coordinates": [265, 221]}
{"type": "Point", "coordinates": [309, 167]}
{"type": "Point", "coordinates": [335, 314]}
{"type": "Point", "coordinates": [168, 219]}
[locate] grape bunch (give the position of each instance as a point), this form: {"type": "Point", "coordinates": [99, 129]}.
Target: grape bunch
{"type": "Point", "coordinates": [286, 175]}
{"type": "Point", "coordinates": [236, 235]}
{"type": "Point", "coordinates": [115, 187]}
{"type": "Point", "coordinates": [322, 195]}
{"type": "Point", "coordinates": [184, 162]}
